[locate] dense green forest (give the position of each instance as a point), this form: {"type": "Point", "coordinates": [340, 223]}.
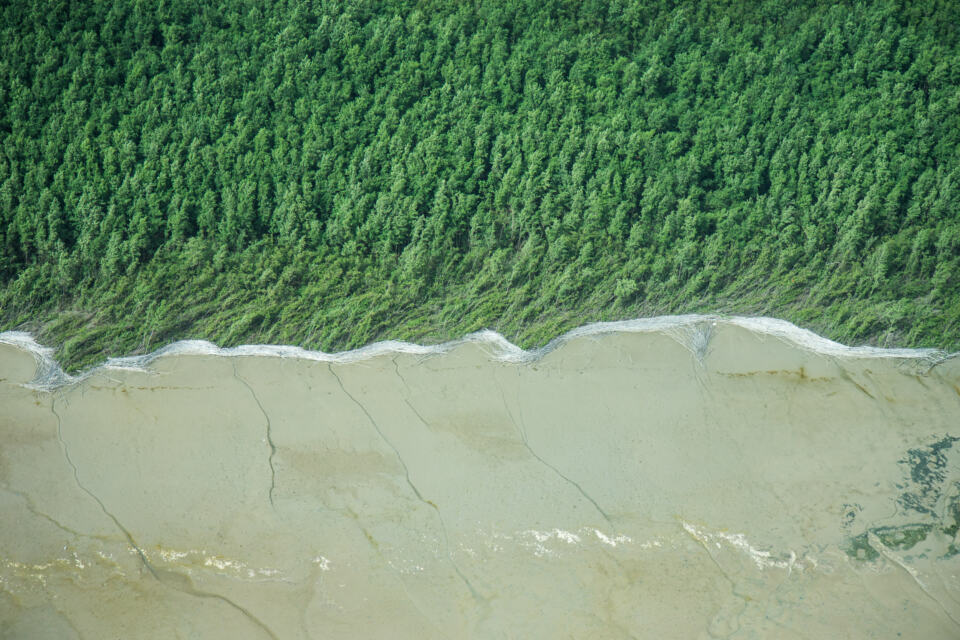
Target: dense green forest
{"type": "Point", "coordinates": [331, 173]}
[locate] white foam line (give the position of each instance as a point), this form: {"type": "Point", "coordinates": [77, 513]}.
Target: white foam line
{"type": "Point", "coordinates": [51, 376]}
{"type": "Point", "coordinates": [763, 559]}
{"type": "Point", "coordinates": [810, 341]}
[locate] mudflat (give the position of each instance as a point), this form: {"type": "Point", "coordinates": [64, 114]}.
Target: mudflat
{"type": "Point", "coordinates": [695, 480]}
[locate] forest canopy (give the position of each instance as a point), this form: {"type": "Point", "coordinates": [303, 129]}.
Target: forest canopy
{"type": "Point", "coordinates": [332, 173]}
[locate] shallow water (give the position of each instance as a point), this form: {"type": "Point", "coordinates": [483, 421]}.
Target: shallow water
{"type": "Point", "coordinates": [689, 477]}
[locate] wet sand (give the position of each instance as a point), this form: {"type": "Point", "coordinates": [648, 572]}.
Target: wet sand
{"type": "Point", "coordinates": [695, 480]}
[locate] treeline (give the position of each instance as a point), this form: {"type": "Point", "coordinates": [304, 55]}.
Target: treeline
{"type": "Point", "coordinates": [330, 173]}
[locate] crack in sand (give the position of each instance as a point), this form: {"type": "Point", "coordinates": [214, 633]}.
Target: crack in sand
{"type": "Point", "coordinates": [163, 576]}
{"type": "Point", "coordinates": [406, 470]}
{"type": "Point", "coordinates": [273, 447]}
{"type": "Point", "coordinates": [31, 507]}
{"type": "Point", "coordinates": [371, 541]}
{"type": "Point", "coordinates": [895, 559]}
{"type": "Point", "coordinates": [526, 443]}
{"type": "Point", "coordinates": [443, 524]}
{"type": "Point", "coordinates": [373, 423]}
{"type": "Point", "coordinates": [693, 533]}
{"type": "Point", "coordinates": [76, 477]}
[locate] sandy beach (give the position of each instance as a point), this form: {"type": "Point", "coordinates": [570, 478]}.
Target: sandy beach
{"type": "Point", "coordinates": [695, 480]}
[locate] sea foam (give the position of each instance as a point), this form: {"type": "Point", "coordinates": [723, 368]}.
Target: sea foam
{"type": "Point", "coordinates": [693, 331]}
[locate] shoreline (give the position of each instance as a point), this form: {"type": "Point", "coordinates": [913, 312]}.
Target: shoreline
{"type": "Point", "coordinates": [693, 331]}
{"type": "Point", "coordinates": [613, 481]}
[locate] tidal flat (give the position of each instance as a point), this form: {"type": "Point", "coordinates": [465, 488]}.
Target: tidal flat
{"type": "Point", "coordinates": [689, 477]}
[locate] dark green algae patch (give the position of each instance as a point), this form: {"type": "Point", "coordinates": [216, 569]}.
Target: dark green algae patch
{"type": "Point", "coordinates": [930, 494]}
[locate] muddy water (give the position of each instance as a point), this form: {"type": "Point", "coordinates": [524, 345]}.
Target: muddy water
{"type": "Point", "coordinates": [694, 478]}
